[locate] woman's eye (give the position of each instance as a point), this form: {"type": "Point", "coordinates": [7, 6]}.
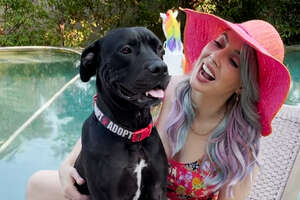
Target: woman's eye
{"type": "Point", "coordinates": [234, 63]}
{"type": "Point", "coordinates": [126, 50]}
{"type": "Point", "coordinates": [218, 44]}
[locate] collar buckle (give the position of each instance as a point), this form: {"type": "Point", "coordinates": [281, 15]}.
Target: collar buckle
{"type": "Point", "coordinates": [141, 134]}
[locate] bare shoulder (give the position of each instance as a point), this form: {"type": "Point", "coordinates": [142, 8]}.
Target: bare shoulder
{"type": "Point", "coordinates": [170, 91]}
{"type": "Point", "coordinates": [162, 120]}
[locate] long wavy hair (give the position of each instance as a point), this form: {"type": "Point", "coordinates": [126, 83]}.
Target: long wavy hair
{"type": "Point", "coordinates": [232, 151]}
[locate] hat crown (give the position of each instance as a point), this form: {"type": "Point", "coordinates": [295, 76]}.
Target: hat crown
{"type": "Point", "coordinates": [267, 36]}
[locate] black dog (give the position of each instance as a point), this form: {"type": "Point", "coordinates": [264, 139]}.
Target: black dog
{"type": "Point", "coordinates": [122, 156]}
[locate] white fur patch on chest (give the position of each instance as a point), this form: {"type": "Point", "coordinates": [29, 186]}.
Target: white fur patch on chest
{"type": "Point", "coordinates": [138, 170]}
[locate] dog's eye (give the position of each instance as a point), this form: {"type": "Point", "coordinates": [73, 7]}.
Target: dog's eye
{"type": "Point", "coordinates": [126, 50]}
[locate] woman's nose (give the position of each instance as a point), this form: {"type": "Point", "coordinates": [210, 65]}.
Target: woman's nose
{"type": "Point", "coordinates": [215, 58]}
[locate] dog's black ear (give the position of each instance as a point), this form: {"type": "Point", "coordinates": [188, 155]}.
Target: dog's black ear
{"type": "Point", "coordinates": [89, 61]}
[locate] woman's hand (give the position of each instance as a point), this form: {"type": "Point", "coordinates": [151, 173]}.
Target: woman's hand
{"type": "Point", "coordinates": [68, 175]}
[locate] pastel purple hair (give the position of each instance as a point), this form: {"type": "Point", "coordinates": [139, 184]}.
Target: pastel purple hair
{"type": "Point", "coordinates": [233, 150]}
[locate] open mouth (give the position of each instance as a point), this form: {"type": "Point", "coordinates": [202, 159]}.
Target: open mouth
{"type": "Point", "coordinates": [151, 94]}
{"type": "Point", "coordinates": [126, 92]}
{"type": "Point", "coordinates": [207, 73]}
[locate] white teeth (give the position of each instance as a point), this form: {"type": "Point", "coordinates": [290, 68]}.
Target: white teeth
{"type": "Point", "coordinates": [147, 93]}
{"type": "Point", "coordinates": [205, 68]}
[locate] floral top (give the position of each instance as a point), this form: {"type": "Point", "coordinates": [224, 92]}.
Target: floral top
{"type": "Point", "coordinates": [185, 181]}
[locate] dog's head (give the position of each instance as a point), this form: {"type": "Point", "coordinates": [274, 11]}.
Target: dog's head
{"type": "Point", "coordinates": [128, 65]}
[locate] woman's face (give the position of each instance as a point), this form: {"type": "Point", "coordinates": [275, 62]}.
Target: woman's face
{"type": "Point", "coordinates": [217, 71]}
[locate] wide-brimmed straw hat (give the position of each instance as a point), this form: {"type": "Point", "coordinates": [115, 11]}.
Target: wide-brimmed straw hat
{"type": "Point", "coordinates": [273, 77]}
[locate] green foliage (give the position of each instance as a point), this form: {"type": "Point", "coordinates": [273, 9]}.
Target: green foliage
{"type": "Point", "coordinates": [284, 14]}
{"type": "Point", "coordinates": [24, 22]}
{"type": "Point", "coordinates": [147, 13]}
{"type": "Point", "coordinates": [76, 23]}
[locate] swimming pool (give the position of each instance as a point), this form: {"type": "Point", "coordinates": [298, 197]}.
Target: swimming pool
{"type": "Point", "coordinates": [292, 60]}
{"type": "Point", "coordinates": [28, 81]}
{"type": "Point", "coordinates": [43, 85]}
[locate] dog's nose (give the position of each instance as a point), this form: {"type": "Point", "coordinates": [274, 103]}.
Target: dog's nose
{"type": "Point", "coordinates": [158, 67]}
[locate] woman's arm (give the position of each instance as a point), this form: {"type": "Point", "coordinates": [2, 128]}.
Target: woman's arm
{"type": "Point", "coordinates": [71, 158]}
{"type": "Point", "coordinates": [240, 190]}
{"type": "Point", "coordinates": [68, 175]}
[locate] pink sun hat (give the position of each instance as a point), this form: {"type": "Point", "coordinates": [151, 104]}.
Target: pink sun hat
{"type": "Point", "coordinates": [273, 77]}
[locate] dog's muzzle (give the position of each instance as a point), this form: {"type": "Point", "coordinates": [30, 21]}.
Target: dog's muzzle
{"type": "Point", "coordinates": [158, 68]}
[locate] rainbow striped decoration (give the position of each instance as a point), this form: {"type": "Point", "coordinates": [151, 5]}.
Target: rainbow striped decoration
{"type": "Point", "coordinates": [171, 28]}
{"type": "Point", "coordinates": [173, 47]}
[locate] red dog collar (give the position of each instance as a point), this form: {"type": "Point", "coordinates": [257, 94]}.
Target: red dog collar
{"type": "Point", "coordinates": [135, 136]}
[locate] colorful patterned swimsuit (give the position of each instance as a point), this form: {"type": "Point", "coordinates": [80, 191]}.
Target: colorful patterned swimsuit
{"type": "Point", "coordinates": [185, 181]}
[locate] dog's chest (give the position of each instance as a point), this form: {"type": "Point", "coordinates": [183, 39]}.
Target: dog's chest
{"type": "Point", "coordinates": [120, 165]}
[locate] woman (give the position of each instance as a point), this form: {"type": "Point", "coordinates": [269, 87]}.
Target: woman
{"type": "Point", "coordinates": [211, 121]}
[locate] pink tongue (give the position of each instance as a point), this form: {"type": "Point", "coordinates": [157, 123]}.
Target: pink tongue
{"type": "Point", "coordinates": [207, 76]}
{"type": "Point", "coordinates": [157, 93]}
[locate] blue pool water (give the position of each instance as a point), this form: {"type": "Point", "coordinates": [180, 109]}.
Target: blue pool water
{"type": "Point", "coordinates": [292, 60]}
{"type": "Point", "coordinates": [24, 88]}
{"type": "Point", "coordinates": [29, 79]}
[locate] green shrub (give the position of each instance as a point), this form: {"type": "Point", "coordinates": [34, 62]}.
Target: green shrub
{"type": "Point", "coordinates": [284, 14]}
{"type": "Point", "coordinates": [25, 23]}
{"type": "Point", "coordinates": [76, 23]}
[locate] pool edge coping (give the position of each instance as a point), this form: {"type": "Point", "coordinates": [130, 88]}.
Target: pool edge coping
{"type": "Point", "coordinates": [26, 48]}
{"type": "Point", "coordinates": [292, 48]}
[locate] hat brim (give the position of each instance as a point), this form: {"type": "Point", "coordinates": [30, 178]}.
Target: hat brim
{"type": "Point", "coordinates": [273, 79]}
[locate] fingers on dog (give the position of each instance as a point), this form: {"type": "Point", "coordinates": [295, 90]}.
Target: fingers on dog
{"type": "Point", "coordinates": [79, 180]}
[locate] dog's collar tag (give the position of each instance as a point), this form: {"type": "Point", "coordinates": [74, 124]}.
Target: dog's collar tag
{"type": "Point", "coordinates": [135, 136]}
